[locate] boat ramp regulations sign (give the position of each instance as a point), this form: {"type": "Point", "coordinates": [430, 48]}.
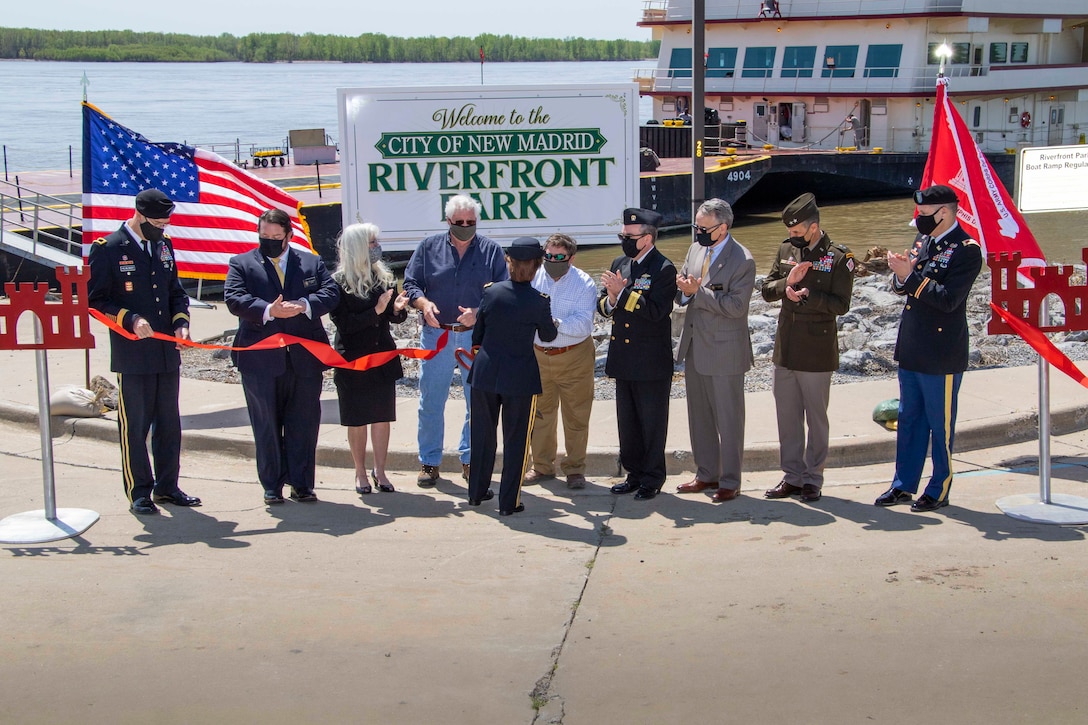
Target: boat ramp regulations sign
{"type": "Point", "coordinates": [540, 159]}
{"type": "Point", "coordinates": [1053, 178]}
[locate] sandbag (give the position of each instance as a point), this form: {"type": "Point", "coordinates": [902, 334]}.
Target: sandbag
{"type": "Point", "coordinates": [72, 401]}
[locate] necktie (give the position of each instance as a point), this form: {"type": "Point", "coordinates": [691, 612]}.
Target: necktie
{"type": "Point", "coordinates": [279, 272]}
{"type": "Point", "coordinates": [147, 248]}
{"type": "Point", "coordinates": [706, 264]}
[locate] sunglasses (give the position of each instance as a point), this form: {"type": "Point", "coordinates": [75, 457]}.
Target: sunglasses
{"type": "Point", "coordinates": [462, 223]}
{"type": "Point", "coordinates": [706, 230]}
{"type": "Point", "coordinates": [630, 237]}
{"type": "Point", "coordinates": [561, 257]}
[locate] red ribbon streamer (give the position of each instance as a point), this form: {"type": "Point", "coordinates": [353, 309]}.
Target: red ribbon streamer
{"type": "Point", "coordinates": [320, 350]}
{"type": "Point", "coordinates": [1042, 345]}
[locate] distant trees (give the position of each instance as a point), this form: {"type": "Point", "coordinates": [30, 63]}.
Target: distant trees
{"type": "Point", "coordinates": [127, 45]}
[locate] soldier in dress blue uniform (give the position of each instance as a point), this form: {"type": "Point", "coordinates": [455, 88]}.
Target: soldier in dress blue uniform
{"type": "Point", "coordinates": [134, 281]}
{"type": "Point", "coordinates": [638, 295]}
{"type": "Point", "coordinates": [505, 377]}
{"type": "Point", "coordinates": [936, 277]}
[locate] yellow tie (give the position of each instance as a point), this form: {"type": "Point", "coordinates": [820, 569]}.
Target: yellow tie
{"type": "Point", "coordinates": [279, 272]}
{"type": "Point", "coordinates": [706, 264]}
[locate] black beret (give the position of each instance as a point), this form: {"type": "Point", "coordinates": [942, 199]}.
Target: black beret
{"type": "Point", "coordinates": [642, 216]}
{"type": "Point", "coordinates": [525, 249]}
{"type": "Point", "coordinates": [154, 204]}
{"type": "Point", "coordinates": [936, 195]}
{"type": "Point", "coordinates": [800, 210]}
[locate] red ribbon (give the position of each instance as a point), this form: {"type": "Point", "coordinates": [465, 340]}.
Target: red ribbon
{"type": "Point", "coordinates": [320, 350]}
{"type": "Point", "coordinates": [1042, 345]}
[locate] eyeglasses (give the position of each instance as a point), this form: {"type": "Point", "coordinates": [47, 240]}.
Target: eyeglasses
{"type": "Point", "coordinates": [560, 257]}
{"type": "Point", "coordinates": [706, 230]}
{"type": "Point", "coordinates": [630, 237]}
{"type": "Point", "coordinates": [463, 223]}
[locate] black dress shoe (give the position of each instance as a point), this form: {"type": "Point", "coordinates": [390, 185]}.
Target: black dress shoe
{"type": "Point", "coordinates": [271, 498]}
{"type": "Point", "coordinates": [143, 507]}
{"type": "Point", "coordinates": [782, 490]}
{"type": "Point", "coordinates": [516, 510]}
{"type": "Point", "coordinates": [810, 494]}
{"type": "Point", "coordinates": [645, 494]}
{"type": "Point", "coordinates": [303, 496]}
{"type": "Point", "coordinates": [178, 498]}
{"type": "Point", "coordinates": [488, 495]}
{"type": "Point", "coordinates": [893, 496]}
{"type": "Point", "coordinates": [627, 486]}
{"type": "Point", "coordinates": [926, 502]}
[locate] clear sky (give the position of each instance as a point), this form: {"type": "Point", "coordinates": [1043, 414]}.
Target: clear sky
{"type": "Point", "coordinates": [608, 19]}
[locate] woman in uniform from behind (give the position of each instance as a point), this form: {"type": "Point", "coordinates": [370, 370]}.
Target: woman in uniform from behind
{"type": "Point", "coordinates": [505, 377]}
{"type": "Point", "coordinates": [367, 306]}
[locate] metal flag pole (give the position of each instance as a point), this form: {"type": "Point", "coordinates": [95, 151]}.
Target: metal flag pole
{"type": "Point", "coordinates": [50, 524]}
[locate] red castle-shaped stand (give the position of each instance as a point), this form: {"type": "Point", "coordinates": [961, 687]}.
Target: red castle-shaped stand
{"type": "Point", "coordinates": [1026, 302]}
{"type": "Point", "coordinates": [65, 324]}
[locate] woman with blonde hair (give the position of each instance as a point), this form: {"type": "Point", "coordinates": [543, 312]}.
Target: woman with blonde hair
{"type": "Point", "coordinates": [367, 307]}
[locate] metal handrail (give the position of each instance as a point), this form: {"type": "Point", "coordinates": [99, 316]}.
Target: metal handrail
{"type": "Point", "coordinates": [677, 10]}
{"type": "Point", "coordinates": [24, 210]}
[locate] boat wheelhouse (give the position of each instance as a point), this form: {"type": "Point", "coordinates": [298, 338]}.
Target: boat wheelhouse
{"type": "Point", "coordinates": [792, 72]}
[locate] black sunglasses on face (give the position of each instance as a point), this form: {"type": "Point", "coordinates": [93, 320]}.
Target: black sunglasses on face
{"type": "Point", "coordinates": [706, 230]}
{"type": "Point", "coordinates": [559, 257]}
{"type": "Point", "coordinates": [462, 223]}
{"type": "Point", "coordinates": [630, 237]}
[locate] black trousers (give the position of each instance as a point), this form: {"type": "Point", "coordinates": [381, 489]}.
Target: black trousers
{"type": "Point", "coordinates": [285, 413]}
{"type": "Point", "coordinates": [516, 413]}
{"type": "Point", "coordinates": [642, 417]}
{"type": "Point", "coordinates": [148, 403]}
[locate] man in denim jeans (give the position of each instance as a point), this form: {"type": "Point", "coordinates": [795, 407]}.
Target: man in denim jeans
{"type": "Point", "coordinates": [445, 280]}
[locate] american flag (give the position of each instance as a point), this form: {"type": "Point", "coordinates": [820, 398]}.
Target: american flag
{"type": "Point", "coordinates": [217, 203]}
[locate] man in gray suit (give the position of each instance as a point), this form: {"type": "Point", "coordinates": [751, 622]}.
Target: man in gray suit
{"type": "Point", "coordinates": [715, 285]}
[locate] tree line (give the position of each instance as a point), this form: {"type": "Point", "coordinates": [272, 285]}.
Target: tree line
{"type": "Point", "coordinates": [127, 45]}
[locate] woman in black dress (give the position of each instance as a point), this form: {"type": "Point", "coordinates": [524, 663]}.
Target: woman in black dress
{"type": "Point", "coordinates": [367, 306]}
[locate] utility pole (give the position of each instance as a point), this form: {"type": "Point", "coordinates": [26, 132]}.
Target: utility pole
{"type": "Point", "coordinates": [698, 115]}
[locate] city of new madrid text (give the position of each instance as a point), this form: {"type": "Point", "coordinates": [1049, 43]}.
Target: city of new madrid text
{"type": "Point", "coordinates": [507, 171]}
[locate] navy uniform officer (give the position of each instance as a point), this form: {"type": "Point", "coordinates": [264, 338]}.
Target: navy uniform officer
{"type": "Point", "coordinates": [134, 281]}
{"type": "Point", "coordinates": [505, 378]}
{"type": "Point", "coordinates": [932, 349]}
{"type": "Point", "coordinates": [638, 297]}
{"type": "Point", "coordinates": [814, 279]}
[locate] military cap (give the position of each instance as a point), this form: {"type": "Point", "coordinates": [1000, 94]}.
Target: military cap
{"type": "Point", "coordinates": [800, 210]}
{"type": "Point", "coordinates": [642, 216]}
{"type": "Point", "coordinates": [154, 204]}
{"type": "Point", "coordinates": [525, 249]}
{"type": "Point", "coordinates": [938, 194]}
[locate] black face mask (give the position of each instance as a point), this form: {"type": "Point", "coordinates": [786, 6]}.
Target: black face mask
{"type": "Point", "coordinates": [151, 232]}
{"type": "Point", "coordinates": [630, 247]}
{"type": "Point", "coordinates": [926, 224]}
{"type": "Point", "coordinates": [705, 239]}
{"type": "Point", "coordinates": [270, 247]}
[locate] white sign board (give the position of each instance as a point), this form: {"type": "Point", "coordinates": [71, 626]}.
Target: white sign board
{"type": "Point", "coordinates": [1053, 178]}
{"type": "Point", "coordinates": [539, 159]}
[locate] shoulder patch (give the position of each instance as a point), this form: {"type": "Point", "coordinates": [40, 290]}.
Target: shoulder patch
{"type": "Point", "coordinates": [545, 295]}
{"type": "Point", "coordinates": [968, 242]}
{"type": "Point", "coordinates": [100, 240]}
{"type": "Point", "coordinates": [844, 249]}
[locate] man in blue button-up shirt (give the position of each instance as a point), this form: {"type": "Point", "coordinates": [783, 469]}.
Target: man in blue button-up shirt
{"type": "Point", "coordinates": [445, 280]}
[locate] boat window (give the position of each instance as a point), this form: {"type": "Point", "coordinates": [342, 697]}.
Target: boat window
{"type": "Point", "coordinates": [1018, 53]}
{"type": "Point", "coordinates": [721, 62]}
{"type": "Point", "coordinates": [840, 61]}
{"type": "Point", "coordinates": [999, 52]}
{"type": "Point", "coordinates": [758, 62]}
{"type": "Point", "coordinates": [961, 53]}
{"type": "Point", "coordinates": [882, 61]}
{"type": "Point", "coordinates": [797, 61]}
{"type": "Point", "coordinates": [680, 63]}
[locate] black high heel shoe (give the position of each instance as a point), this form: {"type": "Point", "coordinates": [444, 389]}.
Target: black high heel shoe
{"type": "Point", "coordinates": [383, 487]}
{"type": "Point", "coordinates": [363, 489]}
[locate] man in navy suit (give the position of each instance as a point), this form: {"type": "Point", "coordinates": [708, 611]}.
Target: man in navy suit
{"type": "Point", "coordinates": [274, 289]}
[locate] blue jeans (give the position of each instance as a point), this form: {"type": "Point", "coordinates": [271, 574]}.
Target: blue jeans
{"type": "Point", "coordinates": [435, 378]}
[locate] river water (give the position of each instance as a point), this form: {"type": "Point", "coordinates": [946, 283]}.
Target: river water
{"type": "Point", "coordinates": [218, 103]}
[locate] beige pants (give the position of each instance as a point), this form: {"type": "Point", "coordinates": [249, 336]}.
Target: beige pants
{"type": "Point", "coordinates": [567, 382]}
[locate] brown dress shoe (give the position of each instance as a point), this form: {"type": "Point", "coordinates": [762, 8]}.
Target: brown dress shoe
{"type": "Point", "coordinates": [576, 481]}
{"type": "Point", "coordinates": [695, 486]}
{"type": "Point", "coordinates": [782, 490]}
{"type": "Point", "coordinates": [533, 477]}
{"type": "Point", "coordinates": [810, 493]}
{"type": "Point", "coordinates": [725, 494]}
{"type": "Point", "coordinates": [465, 471]}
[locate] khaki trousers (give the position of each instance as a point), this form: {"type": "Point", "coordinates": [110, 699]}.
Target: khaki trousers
{"type": "Point", "coordinates": [567, 382]}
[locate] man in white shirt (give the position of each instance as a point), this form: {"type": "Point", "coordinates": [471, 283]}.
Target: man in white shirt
{"type": "Point", "coordinates": [566, 365]}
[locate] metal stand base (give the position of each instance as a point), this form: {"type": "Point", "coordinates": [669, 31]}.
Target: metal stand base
{"type": "Point", "coordinates": [1062, 510]}
{"type": "Point", "coordinates": [31, 527]}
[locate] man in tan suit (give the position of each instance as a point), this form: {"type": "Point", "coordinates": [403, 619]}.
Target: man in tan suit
{"type": "Point", "coordinates": [715, 285]}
